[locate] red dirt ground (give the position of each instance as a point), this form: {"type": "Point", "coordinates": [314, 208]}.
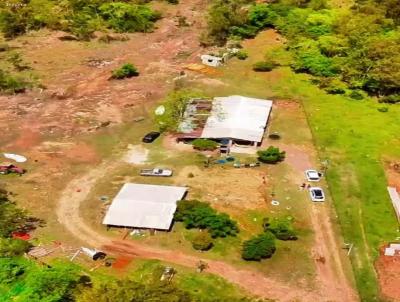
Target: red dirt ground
{"type": "Point", "coordinates": [389, 276]}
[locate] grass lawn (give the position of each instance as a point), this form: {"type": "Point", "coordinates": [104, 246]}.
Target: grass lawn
{"type": "Point", "coordinates": [353, 136]}
{"type": "Point", "coordinates": [204, 286]}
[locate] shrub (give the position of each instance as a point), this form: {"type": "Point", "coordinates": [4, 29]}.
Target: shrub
{"type": "Point", "coordinates": [281, 227]}
{"type": "Point", "coordinates": [242, 55]}
{"type": "Point", "coordinates": [264, 66]}
{"type": "Point", "coordinates": [390, 99]}
{"type": "Point", "coordinates": [271, 155]}
{"type": "Point", "coordinates": [202, 241]}
{"type": "Point", "coordinates": [204, 144]}
{"type": "Point", "coordinates": [259, 247]}
{"type": "Point", "coordinates": [12, 84]}
{"type": "Point", "coordinates": [335, 86]}
{"type": "Point", "coordinates": [125, 71]}
{"type": "Point", "coordinates": [197, 214]}
{"type": "Point", "coordinates": [13, 247]}
{"type": "Point", "coordinates": [356, 95]}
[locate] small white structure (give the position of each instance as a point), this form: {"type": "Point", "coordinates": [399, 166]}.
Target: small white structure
{"type": "Point", "coordinates": [395, 197]}
{"type": "Point", "coordinates": [238, 118]}
{"type": "Point", "coordinates": [144, 206]}
{"type": "Point", "coordinates": [212, 61]}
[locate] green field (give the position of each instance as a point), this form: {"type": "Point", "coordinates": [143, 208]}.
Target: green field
{"type": "Point", "coordinates": [353, 137]}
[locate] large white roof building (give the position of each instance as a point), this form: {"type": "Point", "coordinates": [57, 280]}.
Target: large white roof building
{"type": "Point", "coordinates": [144, 206]}
{"type": "Point", "coordinates": [238, 117]}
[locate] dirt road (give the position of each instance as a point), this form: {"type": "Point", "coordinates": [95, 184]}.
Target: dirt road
{"type": "Point", "coordinates": [326, 251]}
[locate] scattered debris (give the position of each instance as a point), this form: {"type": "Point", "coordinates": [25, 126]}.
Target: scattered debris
{"type": "Point", "coordinates": [97, 63]}
{"type": "Point", "coordinates": [138, 119]}
{"type": "Point", "coordinates": [68, 38]}
{"type": "Point", "coordinates": [104, 198]}
{"type": "Point", "coordinates": [20, 235]}
{"type": "Point", "coordinates": [39, 251]}
{"type": "Point", "coordinates": [92, 253]}
{"type": "Point", "coordinates": [201, 266]}
{"type": "Point", "coordinates": [275, 203]}
{"type": "Point", "coordinates": [392, 250]}
{"type": "Point", "coordinates": [168, 274]}
{"type": "Point", "coordinates": [160, 110]}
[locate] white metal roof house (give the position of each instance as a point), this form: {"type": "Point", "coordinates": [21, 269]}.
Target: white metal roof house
{"type": "Point", "coordinates": [239, 118]}
{"type": "Point", "coordinates": [144, 206]}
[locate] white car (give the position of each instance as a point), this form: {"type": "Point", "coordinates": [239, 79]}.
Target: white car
{"type": "Point", "coordinates": [317, 194]}
{"type": "Point", "coordinates": [313, 175]}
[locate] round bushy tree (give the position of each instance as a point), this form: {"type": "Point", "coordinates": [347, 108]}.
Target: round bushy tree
{"type": "Point", "coordinates": [271, 155]}
{"type": "Point", "coordinates": [259, 247]}
{"type": "Point", "coordinates": [202, 241]}
{"type": "Point", "coordinates": [204, 144]}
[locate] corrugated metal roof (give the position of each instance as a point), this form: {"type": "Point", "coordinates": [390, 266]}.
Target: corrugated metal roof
{"type": "Point", "coordinates": [394, 196]}
{"type": "Point", "coordinates": [238, 117]}
{"type": "Point", "coordinates": [144, 206]}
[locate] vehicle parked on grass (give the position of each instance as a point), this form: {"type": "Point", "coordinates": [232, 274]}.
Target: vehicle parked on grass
{"type": "Point", "coordinates": [150, 137]}
{"type": "Point", "coordinates": [156, 172]}
{"type": "Point", "coordinates": [9, 168]}
{"type": "Point", "coordinates": [317, 194]}
{"type": "Point", "coordinates": [313, 175]}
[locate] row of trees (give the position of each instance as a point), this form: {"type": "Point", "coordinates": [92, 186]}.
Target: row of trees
{"type": "Point", "coordinates": [347, 49]}
{"type": "Point", "coordinates": [80, 17]}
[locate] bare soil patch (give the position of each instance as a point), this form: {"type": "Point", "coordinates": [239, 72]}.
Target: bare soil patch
{"type": "Point", "coordinates": [388, 269]}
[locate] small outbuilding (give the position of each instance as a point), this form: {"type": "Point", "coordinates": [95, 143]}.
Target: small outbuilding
{"type": "Point", "coordinates": [144, 206]}
{"type": "Point", "coordinates": [212, 61]}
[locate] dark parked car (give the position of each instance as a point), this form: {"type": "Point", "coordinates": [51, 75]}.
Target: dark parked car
{"type": "Point", "coordinates": [150, 137]}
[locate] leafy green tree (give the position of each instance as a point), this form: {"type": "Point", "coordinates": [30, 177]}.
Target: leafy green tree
{"type": "Point", "coordinates": [11, 269]}
{"type": "Point", "coordinates": [53, 284]}
{"type": "Point", "coordinates": [259, 247]}
{"type": "Point", "coordinates": [271, 155]}
{"type": "Point", "coordinates": [125, 17]}
{"type": "Point", "coordinates": [13, 218]}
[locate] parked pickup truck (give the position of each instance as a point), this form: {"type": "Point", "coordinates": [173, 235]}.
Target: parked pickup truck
{"type": "Point", "coordinates": [156, 172]}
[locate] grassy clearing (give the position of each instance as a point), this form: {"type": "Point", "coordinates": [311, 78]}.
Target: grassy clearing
{"type": "Point", "coordinates": [204, 286]}
{"type": "Point", "coordinates": [354, 137]}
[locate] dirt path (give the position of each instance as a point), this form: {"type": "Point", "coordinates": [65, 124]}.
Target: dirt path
{"type": "Point", "coordinates": [326, 251]}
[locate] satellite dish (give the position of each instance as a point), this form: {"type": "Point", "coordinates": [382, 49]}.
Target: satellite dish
{"type": "Point", "coordinates": [160, 110]}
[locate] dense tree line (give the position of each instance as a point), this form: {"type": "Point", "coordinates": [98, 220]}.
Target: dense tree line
{"type": "Point", "coordinates": [79, 17]}
{"type": "Point", "coordinates": [355, 50]}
